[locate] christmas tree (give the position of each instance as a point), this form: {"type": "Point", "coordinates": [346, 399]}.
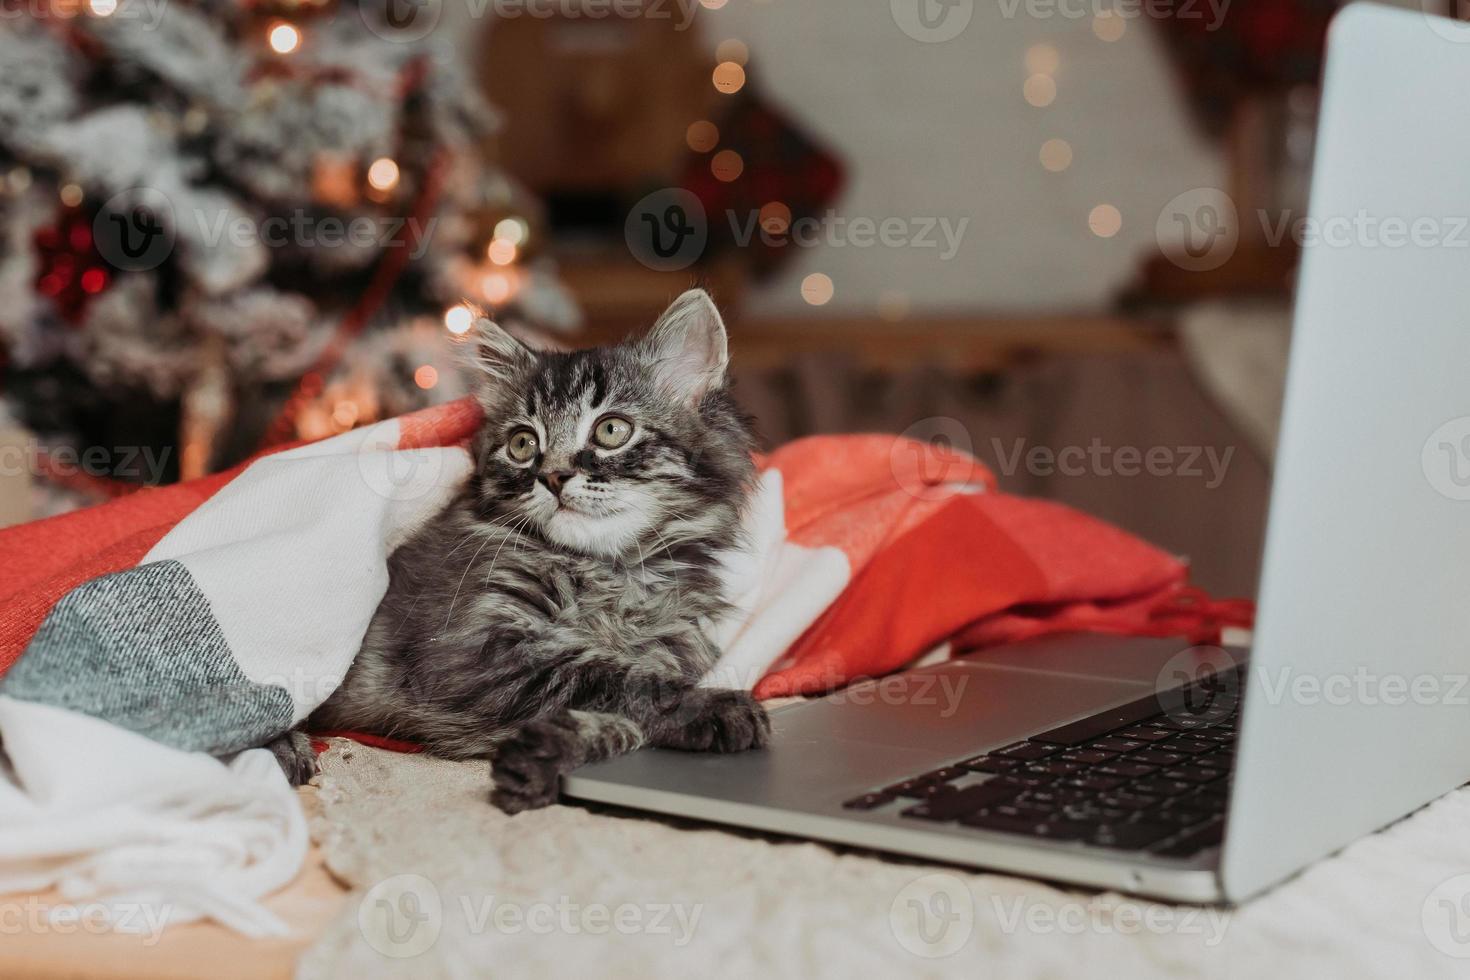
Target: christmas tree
{"type": "Point", "coordinates": [226, 224]}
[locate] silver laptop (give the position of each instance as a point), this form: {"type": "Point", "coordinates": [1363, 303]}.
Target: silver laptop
{"type": "Point", "coordinates": [1204, 774]}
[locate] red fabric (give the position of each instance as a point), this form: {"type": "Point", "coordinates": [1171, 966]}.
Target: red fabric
{"type": "Point", "coordinates": [933, 552]}
{"type": "Point", "coordinates": [318, 741]}
{"type": "Point", "coordinates": [937, 554]}
{"type": "Point", "coordinates": [42, 561]}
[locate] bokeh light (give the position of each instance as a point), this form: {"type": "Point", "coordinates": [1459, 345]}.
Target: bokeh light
{"type": "Point", "coordinates": [727, 165]}
{"type": "Point", "coordinates": [458, 319]}
{"type": "Point", "coordinates": [817, 289]}
{"type": "Point", "coordinates": [1105, 221]}
{"type": "Point", "coordinates": [729, 78]}
{"type": "Point", "coordinates": [382, 175]}
{"type": "Point", "coordinates": [702, 136]}
{"type": "Point", "coordinates": [1040, 90]}
{"type": "Point", "coordinates": [1056, 155]}
{"type": "Point", "coordinates": [1042, 59]}
{"type": "Point", "coordinates": [1109, 25]}
{"type": "Point", "coordinates": [284, 38]}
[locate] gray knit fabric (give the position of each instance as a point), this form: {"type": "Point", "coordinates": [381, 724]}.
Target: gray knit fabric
{"type": "Point", "coordinates": [141, 649]}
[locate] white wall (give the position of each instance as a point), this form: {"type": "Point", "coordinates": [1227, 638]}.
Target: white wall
{"type": "Point", "coordinates": [931, 130]}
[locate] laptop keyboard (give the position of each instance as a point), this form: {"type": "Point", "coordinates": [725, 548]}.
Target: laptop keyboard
{"type": "Point", "coordinates": [1146, 776]}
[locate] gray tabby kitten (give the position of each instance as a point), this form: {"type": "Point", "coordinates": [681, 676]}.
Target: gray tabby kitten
{"type": "Point", "coordinates": [554, 614]}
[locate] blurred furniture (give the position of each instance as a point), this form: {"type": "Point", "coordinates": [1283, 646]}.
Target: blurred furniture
{"type": "Point", "coordinates": [596, 112]}
{"type": "Point", "coordinates": [1110, 387]}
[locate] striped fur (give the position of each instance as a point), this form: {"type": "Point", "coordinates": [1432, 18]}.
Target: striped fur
{"type": "Point", "coordinates": [547, 629]}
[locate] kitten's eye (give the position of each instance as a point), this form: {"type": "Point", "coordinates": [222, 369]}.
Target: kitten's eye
{"type": "Point", "coordinates": [612, 432]}
{"type": "Point", "coordinates": [522, 445]}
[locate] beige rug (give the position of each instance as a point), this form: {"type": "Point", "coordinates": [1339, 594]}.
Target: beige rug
{"type": "Point", "coordinates": [446, 886]}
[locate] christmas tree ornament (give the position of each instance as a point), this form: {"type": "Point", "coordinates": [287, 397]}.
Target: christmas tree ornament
{"type": "Point", "coordinates": [243, 221]}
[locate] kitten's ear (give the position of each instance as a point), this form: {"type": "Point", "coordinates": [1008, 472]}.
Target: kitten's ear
{"type": "Point", "coordinates": [497, 354]}
{"type": "Point", "coordinates": [687, 347]}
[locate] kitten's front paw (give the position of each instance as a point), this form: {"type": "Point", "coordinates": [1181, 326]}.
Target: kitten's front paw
{"type": "Point", "coordinates": [725, 721]}
{"type": "Point", "coordinates": [526, 768]}
{"type": "Point", "coordinates": [296, 755]}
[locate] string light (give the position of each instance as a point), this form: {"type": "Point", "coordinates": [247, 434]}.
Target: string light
{"type": "Point", "coordinates": [702, 136]}
{"type": "Point", "coordinates": [426, 377]}
{"type": "Point", "coordinates": [817, 289]}
{"type": "Point", "coordinates": [1040, 90]}
{"type": "Point", "coordinates": [775, 217]}
{"type": "Point", "coordinates": [729, 78]}
{"type": "Point", "coordinates": [501, 251]}
{"type": "Point", "coordinates": [727, 165]}
{"type": "Point", "coordinates": [458, 319]}
{"type": "Point", "coordinates": [1056, 155]}
{"type": "Point", "coordinates": [94, 281]}
{"type": "Point", "coordinates": [732, 50]}
{"type": "Point", "coordinates": [1108, 25]}
{"type": "Point", "coordinates": [102, 8]}
{"type": "Point", "coordinates": [382, 175]}
{"type": "Point", "coordinates": [712, 4]}
{"type": "Point", "coordinates": [71, 195]}
{"type": "Point", "coordinates": [513, 230]}
{"type": "Point", "coordinates": [345, 414]}
{"type": "Point", "coordinates": [283, 38]}
{"type": "Point", "coordinates": [497, 287]}
{"type": "Point", "coordinates": [1105, 221]}
{"type": "Point", "coordinates": [1042, 59]}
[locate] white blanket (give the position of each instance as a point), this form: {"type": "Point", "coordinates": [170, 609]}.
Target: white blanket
{"type": "Point", "coordinates": [138, 835]}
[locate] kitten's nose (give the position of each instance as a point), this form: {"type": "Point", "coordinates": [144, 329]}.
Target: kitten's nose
{"type": "Point", "coordinates": [554, 479]}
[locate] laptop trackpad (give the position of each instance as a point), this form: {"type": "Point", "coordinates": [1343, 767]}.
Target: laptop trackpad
{"type": "Point", "coordinates": [951, 710]}
{"type": "Point", "coordinates": [979, 700]}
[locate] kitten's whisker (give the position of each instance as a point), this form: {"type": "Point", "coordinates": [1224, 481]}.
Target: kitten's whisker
{"type": "Point", "coordinates": [514, 532]}
{"type": "Point", "coordinates": [678, 585]}
{"type": "Point", "coordinates": [468, 565]}
{"type": "Point", "coordinates": [468, 534]}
